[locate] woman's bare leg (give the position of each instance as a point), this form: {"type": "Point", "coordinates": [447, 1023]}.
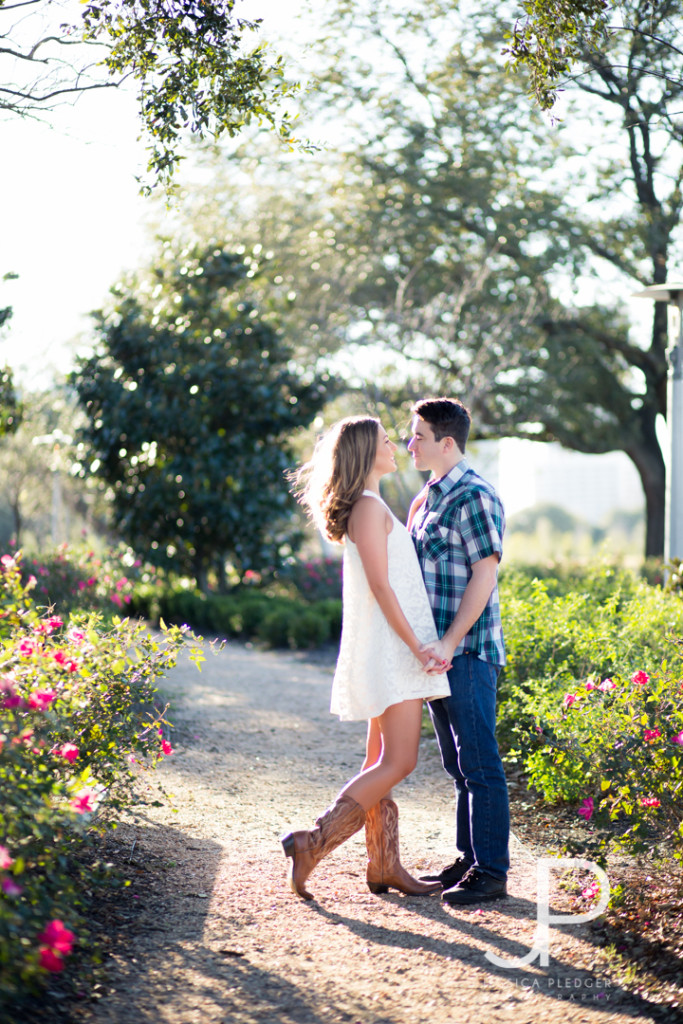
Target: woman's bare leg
{"type": "Point", "coordinates": [399, 726]}
{"type": "Point", "coordinates": [373, 744]}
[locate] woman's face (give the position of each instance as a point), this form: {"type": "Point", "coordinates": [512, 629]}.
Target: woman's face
{"type": "Point", "coordinates": [384, 459]}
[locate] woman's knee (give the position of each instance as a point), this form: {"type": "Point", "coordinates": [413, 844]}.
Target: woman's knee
{"type": "Point", "coordinates": [402, 765]}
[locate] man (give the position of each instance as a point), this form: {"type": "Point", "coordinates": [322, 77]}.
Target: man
{"type": "Point", "coordinates": [457, 523]}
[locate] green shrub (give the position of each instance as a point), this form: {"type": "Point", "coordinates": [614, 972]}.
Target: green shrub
{"type": "Point", "coordinates": [315, 579]}
{"type": "Point", "coordinates": [574, 707]}
{"type": "Point", "coordinates": [78, 722]}
{"type": "Point", "coordinates": [332, 610]}
{"type": "Point", "coordinates": [616, 745]}
{"type": "Point", "coordinates": [310, 629]}
{"type": "Point", "coordinates": [277, 626]}
{"type": "Point", "coordinates": [73, 577]}
{"type": "Point", "coordinates": [552, 642]}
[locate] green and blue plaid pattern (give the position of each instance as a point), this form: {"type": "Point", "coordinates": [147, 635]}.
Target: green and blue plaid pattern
{"type": "Point", "coordinates": [461, 522]}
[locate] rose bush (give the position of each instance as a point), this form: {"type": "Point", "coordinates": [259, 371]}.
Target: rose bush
{"type": "Point", "coordinates": [592, 704]}
{"type": "Point", "coordinates": [77, 577]}
{"type": "Point", "coordinates": [619, 749]}
{"type": "Point", "coordinates": [79, 720]}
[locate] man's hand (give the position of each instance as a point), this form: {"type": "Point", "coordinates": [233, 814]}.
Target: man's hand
{"type": "Point", "coordinates": [435, 658]}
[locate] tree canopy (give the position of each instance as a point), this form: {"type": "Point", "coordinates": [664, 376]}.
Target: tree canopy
{"type": "Point", "coordinates": [479, 246]}
{"type": "Point", "coordinates": [193, 63]}
{"type": "Point", "coordinates": [192, 400]}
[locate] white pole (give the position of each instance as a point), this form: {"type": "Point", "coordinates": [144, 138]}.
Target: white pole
{"type": "Point", "coordinates": [673, 544]}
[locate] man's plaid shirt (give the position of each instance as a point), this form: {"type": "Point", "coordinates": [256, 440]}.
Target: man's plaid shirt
{"type": "Point", "coordinates": [461, 521]}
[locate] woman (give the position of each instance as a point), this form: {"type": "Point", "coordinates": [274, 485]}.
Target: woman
{"type": "Point", "coordinates": [382, 669]}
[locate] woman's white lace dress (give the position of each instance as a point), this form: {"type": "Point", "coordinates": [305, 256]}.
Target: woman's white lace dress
{"type": "Point", "coordinates": [375, 667]}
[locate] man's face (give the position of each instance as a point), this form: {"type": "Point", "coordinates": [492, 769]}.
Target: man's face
{"type": "Point", "coordinates": [426, 451]}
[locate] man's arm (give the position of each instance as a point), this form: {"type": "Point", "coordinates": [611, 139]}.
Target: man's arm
{"type": "Point", "coordinates": [416, 504]}
{"type": "Point", "coordinates": [474, 600]}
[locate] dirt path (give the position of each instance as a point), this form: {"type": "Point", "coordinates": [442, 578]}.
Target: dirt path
{"type": "Point", "coordinates": [214, 934]}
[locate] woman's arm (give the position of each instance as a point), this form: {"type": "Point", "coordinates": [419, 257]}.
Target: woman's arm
{"type": "Point", "coordinates": [368, 528]}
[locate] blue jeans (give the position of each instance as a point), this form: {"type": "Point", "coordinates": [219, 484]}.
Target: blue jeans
{"type": "Point", "coordinates": [465, 725]}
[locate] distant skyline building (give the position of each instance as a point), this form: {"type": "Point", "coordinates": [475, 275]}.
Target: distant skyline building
{"type": "Point", "coordinates": [528, 473]}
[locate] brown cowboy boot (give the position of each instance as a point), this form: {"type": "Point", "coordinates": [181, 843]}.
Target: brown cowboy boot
{"type": "Point", "coordinates": [384, 866]}
{"type": "Point", "coordinates": [307, 849]}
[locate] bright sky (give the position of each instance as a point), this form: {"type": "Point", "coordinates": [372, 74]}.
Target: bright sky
{"type": "Point", "coordinates": [73, 219]}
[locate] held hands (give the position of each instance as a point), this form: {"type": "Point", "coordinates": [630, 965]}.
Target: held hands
{"type": "Point", "coordinates": [435, 661]}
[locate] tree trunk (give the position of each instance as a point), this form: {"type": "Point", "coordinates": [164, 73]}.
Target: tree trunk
{"type": "Point", "coordinates": [649, 462]}
{"type": "Point", "coordinates": [18, 522]}
{"type": "Point", "coordinates": [201, 573]}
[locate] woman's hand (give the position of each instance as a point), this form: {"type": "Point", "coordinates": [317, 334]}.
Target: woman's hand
{"type": "Point", "coordinates": [431, 661]}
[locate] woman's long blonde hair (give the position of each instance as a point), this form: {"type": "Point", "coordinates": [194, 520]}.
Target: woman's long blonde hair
{"type": "Point", "coordinates": [329, 485]}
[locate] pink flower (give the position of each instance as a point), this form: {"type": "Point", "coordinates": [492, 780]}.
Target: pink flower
{"type": "Point", "coordinates": [678, 738]}
{"type": "Point", "coordinates": [7, 562]}
{"type": "Point", "coordinates": [41, 699]}
{"type": "Point", "coordinates": [68, 751]}
{"type": "Point", "coordinates": [5, 859]}
{"type": "Point", "coordinates": [591, 684]}
{"type": "Point", "coordinates": [65, 661]}
{"type": "Point", "coordinates": [10, 887]}
{"type": "Point", "coordinates": [57, 937]}
{"type": "Point", "coordinates": [27, 648]}
{"type": "Point", "coordinates": [586, 808]}
{"type": "Point", "coordinates": [50, 960]}
{"type": "Point", "coordinates": [591, 891]}
{"type": "Point", "coordinates": [607, 685]}
{"type": "Point", "coordinates": [650, 801]}
{"type": "Point", "coordinates": [12, 698]}
{"type": "Point", "coordinates": [640, 678]}
{"type": "Point", "coordinates": [120, 584]}
{"type": "Point", "coordinates": [81, 584]}
{"type": "Point", "coordinates": [91, 582]}
{"type": "Point", "coordinates": [82, 804]}
{"type": "Point", "coordinates": [650, 735]}
{"type": "Point", "coordinates": [569, 699]}
{"type": "Point", "coordinates": [115, 599]}
{"type": "Point", "coordinates": [76, 636]}
{"type": "Point", "coordinates": [53, 623]}
{"type": "Point", "coordinates": [166, 747]}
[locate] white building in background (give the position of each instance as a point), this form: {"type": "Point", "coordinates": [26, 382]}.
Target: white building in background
{"type": "Point", "coordinates": [527, 473]}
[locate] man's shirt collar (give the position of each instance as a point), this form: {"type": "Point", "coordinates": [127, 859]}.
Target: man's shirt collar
{"type": "Point", "coordinates": [446, 483]}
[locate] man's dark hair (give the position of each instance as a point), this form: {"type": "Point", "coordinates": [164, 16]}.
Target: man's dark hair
{"type": "Point", "coordinates": [447, 417]}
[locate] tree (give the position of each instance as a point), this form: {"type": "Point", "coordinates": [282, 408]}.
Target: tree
{"type": "Point", "coordinates": [467, 225]}
{"type": "Point", "coordinates": [192, 399]}
{"type": "Point", "coordinates": [45, 502]}
{"type": "Point", "coordinates": [10, 408]}
{"type": "Point", "coordinates": [555, 37]}
{"type": "Point", "coordinates": [189, 59]}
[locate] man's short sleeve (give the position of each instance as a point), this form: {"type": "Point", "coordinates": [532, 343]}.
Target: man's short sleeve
{"type": "Point", "coordinates": [482, 524]}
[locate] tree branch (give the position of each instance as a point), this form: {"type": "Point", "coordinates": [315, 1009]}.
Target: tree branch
{"type": "Point", "coordinates": [59, 92]}
{"type": "Point", "coordinates": [25, 3]}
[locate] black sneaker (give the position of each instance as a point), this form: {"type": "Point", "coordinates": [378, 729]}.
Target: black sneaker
{"type": "Point", "coordinates": [475, 887]}
{"type": "Point", "coordinates": [450, 875]}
